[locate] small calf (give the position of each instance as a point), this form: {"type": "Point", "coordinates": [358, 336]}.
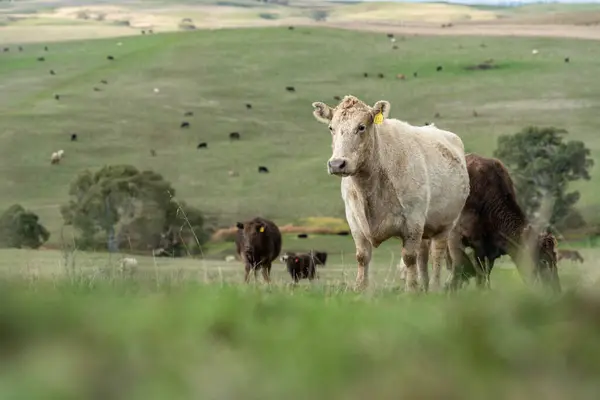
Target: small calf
{"type": "Point", "coordinates": [290, 88]}
{"type": "Point", "coordinates": [202, 145]}
{"type": "Point", "coordinates": [184, 124]}
{"type": "Point", "coordinates": [263, 170]}
{"type": "Point", "coordinates": [300, 266]}
{"type": "Point", "coordinates": [73, 137]}
{"type": "Point", "coordinates": [234, 136]}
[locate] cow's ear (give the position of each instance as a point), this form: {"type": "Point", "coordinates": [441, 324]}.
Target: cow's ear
{"type": "Point", "coordinates": [239, 225]}
{"type": "Point", "coordinates": [382, 107]}
{"type": "Point", "coordinates": [322, 112]}
{"type": "Point", "coordinates": [260, 228]}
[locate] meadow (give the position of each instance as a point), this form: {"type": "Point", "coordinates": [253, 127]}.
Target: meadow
{"type": "Point", "coordinates": [73, 325]}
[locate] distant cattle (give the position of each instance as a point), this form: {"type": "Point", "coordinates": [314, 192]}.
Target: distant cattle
{"type": "Point", "coordinates": [401, 77]}
{"type": "Point", "coordinates": [475, 114]}
{"type": "Point", "coordinates": [104, 81]}
{"type": "Point", "coordinates": [20, 48]}
{"type": "Point", "coordinates": [290, 88]}
{"type": "Point", "coordinates": [46, 48]}
{"type": "Point", "coordinates": [202, 145]}
{"type": "Point", "coordinates": [52, 72]}
{"type": "Point", "coordinates": [97, 89]}
{"type": "Point", "coordinates": [402, 196]}
{"type": "Point", "coordinates": [143, 32]}
{"type": "Point", "coordinates": [56, 97]}
{"type": "Point", "coordinates": [380, 75]}
{"type": "Point", "coordinates": [390, 35]}
{"type": "Point", "coordinates": [234, 136]}
{"type": "Point", "coordinates": [233, 173]}
{"type": "Point", "coordinates": [258, 243]}
{"type": "Point", "coordinates": [6, 49]}
{"type": "Point", "coordinates": [300, 266]}
{"type": "Point", "coordinates": [41, 59]}
{"type": "Point", "coordinates": [365, 74]}
{"type": "Point", "coordinates": [73, 137]}
{"type": "Point", "coordinates": [153, 152]}
{"type": "Point", "coordinates": [110, 58]}
{"type": "Point", "coordinates": [567, 59]}
{"type": "Point", "coordinates": [337, 98]}
{"type": "Point", "coordinates": [263, 170]}
{"type": "Point", "coordinates": [493, 224]}
{"type": "Point", "coordinates": [572, 255]}
{"type": "Point", "coordinates": [395, 47]}
{"type": "Point", "coordinates": [439, 68]}
{"type": "Point", "coordinates": [188, 114]}
{"type": "Point", "coordinates": [343, 233]}
{"type": "Point", "coordinates": [302, 235]}
{"type": "Point", "coordinates": [248, 106]}
{"type": "Point", "coordinates": [184, 124]}
{"type": "Point", "coordinates": [291, 28]}
{"type": "Point", "coordinates": [150, 31]}
{"type": "Point", "coordinates": [415, 74]}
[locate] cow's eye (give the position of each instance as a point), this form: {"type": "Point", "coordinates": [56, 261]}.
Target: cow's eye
{"type": "Point", "coordinates": [330, 128]}
{"type": "Point", "coordinates": [361, 128]}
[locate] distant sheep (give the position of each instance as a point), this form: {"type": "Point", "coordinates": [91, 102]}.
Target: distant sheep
{"type": "Point", "coordinates": [230, 258]}
{"type": "Point", "coordinates": [54, 158]}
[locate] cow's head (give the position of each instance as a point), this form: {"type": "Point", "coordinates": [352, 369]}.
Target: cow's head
{"type": "Point", "coordinates": [352, 126]}
{"type": "Point", "coordinates": [252, 233]}
{"type": "Point", "coordinates": [544, 255]}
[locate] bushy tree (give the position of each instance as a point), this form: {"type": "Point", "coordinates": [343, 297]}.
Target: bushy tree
{"type": "Point", "coordinates": [123, 206]}
{"type": "Point", "coordinates": [543, 164]}
{"type": "Point", "coordinates": [21, 228]}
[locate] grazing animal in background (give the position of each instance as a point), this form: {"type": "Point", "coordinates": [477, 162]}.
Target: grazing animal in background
{"type": "Point", "coordinates": [343, 233]}
{"type": "Point", "coordinates": [128, 264]}
{"type": "Point", "coordinates": [439, 68]}
{"type": "Point", "coordinates": [390, 35]}
{"type": "Point", "coordinates": [493, 224]}
{"type": "Point", "coordinates": [41, 59]}
{"type": "Point", "coordinates": [398, 180]}
{"type": "Point", "coordinates": [248, 106]}
{"type": "Point", "coordinates": [54, 158]}
{"type": "Point", "coordinates": [401, 77]}
{"type": "Point", "coordinates": [300, 266]}
{"type": "Point", "coordinates": [143, 32]}
{"type": "Point", "coordinates": [153, 152]}
{"type": "Point", "coordinates": [150, 31]}
{"type": "Point", "coordinates": [104, 81]}
{"type": "Point", "coordinates": [572, 255]}
{"type": "Point", "coordinates": [234, 136]}
{"type": "Point", "coordinates": [73, 137]}
{"type": "Point", "coordinates": [366, 75]}
{"type": "Point", "coordinates": [184, 124]}
{"type": "Point", "coordinates": [233, 173]}
{"type": "Point", "coordinates": [291, 28]}
{"type": "Point", "coordinates": [52, 72]}
{"type": "Point", "coordinates": [320, 257]}
{"type": "Point", "coordinates": [395, 47]}
{"type": "Point", "coordinates": [475, 114]}
{"type": "Point", "coordinates": [61, 153]}
{"type": "Point", "coordinates": [380, 75]}
{"type": "Point", "coordinates": [97, 89]}
{"type": "Point", "coordinates": [56, 97]}
{"type": "Point", "coordinates": [302, 236]}
{"type": "Point", "coordinates": [263, 170]}
{"type": "Point", "coordinates": [258, 243]}
{"type": "Point", "coordinates": [567, 59]}
{"type": "Point", "coordinates": [437, 115]}
{"type": "Point", "coordinates": [202, 145]}
{"type": "Point", "coordinates": [290, 88]}
{"type": "Point", "coordinates": [110, 58]}
{"type": "Point", "coordinates": [46, 48]}
{"type": "Point", "coordinates": [337, 98]}
{"type": "Point", "coordinates": [415, 74]}
{"type": "Point", "coordinates": [188, 114]}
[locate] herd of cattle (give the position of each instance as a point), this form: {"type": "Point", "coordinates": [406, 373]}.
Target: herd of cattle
{"type": "Point", "coordinates": [414, 183]}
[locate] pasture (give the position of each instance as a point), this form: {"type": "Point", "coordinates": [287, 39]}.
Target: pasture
{"type": "Point", "coordinates": [215, 73]}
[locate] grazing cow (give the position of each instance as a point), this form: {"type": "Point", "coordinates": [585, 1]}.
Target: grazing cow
{"type": "Point", "coordinates": [398, 180]}
{"type": "Point", "coordinates": [380, 75]}
{"type": "Point", "coordinates": [437, 115]}
{"type": "Point", "coordinates": [572, 255]}
{"type": "Point", "coordinates": [366, 75]}
{"type": "Point", "coordinates": [73, 137]}
{"type": "Point", "coordinates": [302, 236]}
{"type": "Point", "coordinates": [153, 152]}
{"type": "Point", "coordinates": [97, 89]}
{"type": "Point", "coordinates": [41, 59]}
{"type": "Point", "coordinates": [291, 28]}
{"type": "Point", "coordinates": [415, 74]}
{"type": "Point", "coordinates": [234, 136]}
{"type": "Point", "coordinates": [290, 88]}
{"type": "Point", "coordinates": [567, 59]}
{"type": "Point", "coordinates": [439, 68]}
{"type": "Point", "coordinates": [52, 72]}
{"type": "Point", "coordinates": [337, 98]}
{"type": "Point", "coordinates": [202, 145]}
{"type": "Point", "coordinates": [184, 124]}
{"type": "Point", "coordinates": [390, 35]}
{"type": "Point", "coordinates": [493, 224]}
{"type": "Point", "coordinates": [300, 266]}
{"type": "Point", "coordinates": [143, 32]}
{"type": "Point", "coordinates": [263, 170]}
{"type": "Point", "coordinates": [320, 257]}
{"type": "Point", "coordinates": [54, 158]}
{"type": "Point", "coordinates": [248, 106]}
{"type": "Point", "coordinates": [188, 114]}
{"type": "Point", "coordinates": [104, 81]}
{"type": "Point", "coordinates": [110, 58]}
{"type": "Point", "coordinates": [56, 97]}
{"type": "Point", "coordinates": [46, 48]}
{"type": "Point", "coordinates": [258, 243]}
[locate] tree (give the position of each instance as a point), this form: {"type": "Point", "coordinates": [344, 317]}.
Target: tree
{"type": "Point", "coordinates": [20, 228]}
{"type": "Point", "coordinates": [121, 205]}
{"type": "Point", "coordinates": [543, 164]}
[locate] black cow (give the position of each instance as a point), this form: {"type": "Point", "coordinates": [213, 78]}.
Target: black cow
{"type": "Point", "coordinates": [290, 88]}
{"type": "Point", "coordinates": [439, 68]}
{"type": "Point", "coordinates": [184, 124]}
{"type": "Point", "coordinates": [73, 137]}
{"type": "Point", "coordinates": [110, 58]}
{"type": "Point", "coordinates": [234, 136]}
{"type": "Point", "coordinates": [300, 266]}
{"type": "Point", "coordinates": [263, 170]}
{"type": "Point", "coordinates": [202, 145]}
{"type": "Point", "coordinates": [248, 106]}
{"type": "Point", "coordinates": [302, 236]}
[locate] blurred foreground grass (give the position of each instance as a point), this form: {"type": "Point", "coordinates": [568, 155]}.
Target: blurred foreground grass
{"type": "Point", "coordinates": [164, 338]}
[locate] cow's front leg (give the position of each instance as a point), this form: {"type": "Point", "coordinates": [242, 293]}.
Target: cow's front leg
{"type": "Point", "coordinates": [422, 261]}
{"type": "Point", "coordinates": [410, 250]}
{"type": "Point", "coordinates": [364, 249]}
{"type": "Point", "coordinates": [266, 272]}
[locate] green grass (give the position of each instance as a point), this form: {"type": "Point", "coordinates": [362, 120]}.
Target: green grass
{"type": "Point", "coordinates": [214, 73]}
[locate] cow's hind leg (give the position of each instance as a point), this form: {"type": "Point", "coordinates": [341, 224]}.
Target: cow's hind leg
{"type": "Point", "coordinates": [364, 250]}
{"type": "Point", "coordinates": [266, 272]}
{"type": "Point", "coordinates": [422, 261]}
{"type": "Point", "coordinates": [457, 255]}
{"type": "Point", "coordinates": [439, 250]}
{"type": "Point", "coordinates": [410, 250]}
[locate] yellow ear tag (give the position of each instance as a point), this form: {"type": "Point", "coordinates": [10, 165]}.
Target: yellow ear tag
{"type": "Point", "coordinates": [262, 229]}
{"type": "Point", "coordinates": [378, 119]}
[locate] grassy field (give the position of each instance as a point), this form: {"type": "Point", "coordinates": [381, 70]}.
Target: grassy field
{"type": "Point", "coordinates": [214, 73]}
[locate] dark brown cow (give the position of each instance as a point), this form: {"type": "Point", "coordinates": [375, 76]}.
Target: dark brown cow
{"type": "Point", "coordinates": [258, 243]}
{"type": "Point", "coordinates": [493, 224]}
{"type": "Point", "coordinates": [300, 266]}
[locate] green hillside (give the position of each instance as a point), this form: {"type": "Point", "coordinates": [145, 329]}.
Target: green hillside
{"type": "Point", "coordinates": [215, 73]}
